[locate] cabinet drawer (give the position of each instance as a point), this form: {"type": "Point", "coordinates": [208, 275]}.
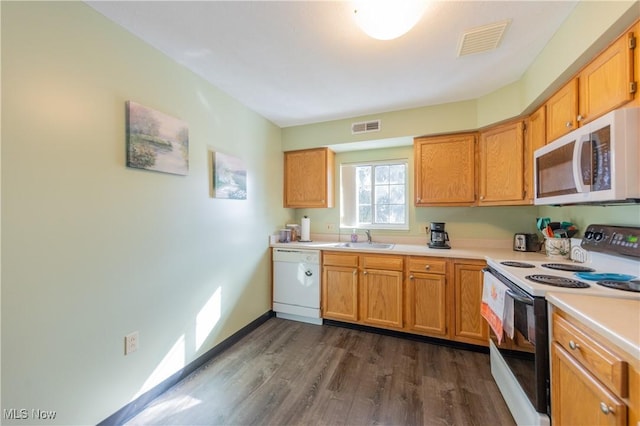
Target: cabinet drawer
{"type": "Point", "coordinates": [427, 264]}
{"type": "Point", "coordinates": [390, 263]}
{"type": "Point", "coordinates": [601, 362]}
{"type": "Point", "coordinates": [340, 259]}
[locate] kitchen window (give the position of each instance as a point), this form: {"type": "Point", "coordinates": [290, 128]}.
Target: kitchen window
{"type": "Point", "coordinates": [374, 195]}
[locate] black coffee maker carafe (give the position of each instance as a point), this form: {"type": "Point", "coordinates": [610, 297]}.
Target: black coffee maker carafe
{"type": "Point", "coordinates": [438, 237]}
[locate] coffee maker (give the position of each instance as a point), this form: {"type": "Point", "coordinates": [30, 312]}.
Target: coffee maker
{"type": "Point", "coordinates": [438, 237]}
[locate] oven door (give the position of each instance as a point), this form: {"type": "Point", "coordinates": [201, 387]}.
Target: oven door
{"type": "Point", "coordinates": [526, 355]}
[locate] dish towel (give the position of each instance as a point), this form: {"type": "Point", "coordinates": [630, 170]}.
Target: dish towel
{"type": "Point", "coordinates": [497, 307]}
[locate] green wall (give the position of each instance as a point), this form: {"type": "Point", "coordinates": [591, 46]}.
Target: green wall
{"type": "Point", "coordinates": [93, 250]}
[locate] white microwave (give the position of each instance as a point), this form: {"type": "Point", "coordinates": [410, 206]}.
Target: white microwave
{"type": "Point", "coordinates": [596, 163]}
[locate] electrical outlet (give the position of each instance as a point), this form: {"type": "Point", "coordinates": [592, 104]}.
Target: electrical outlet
{"type": "Point", "coordinates": [131, 342]}
{"type": "Point", "coordinates": [331, 227]}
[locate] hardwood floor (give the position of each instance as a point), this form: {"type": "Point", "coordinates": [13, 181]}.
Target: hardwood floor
{"type": "Point", "coordinates": [292, 373]}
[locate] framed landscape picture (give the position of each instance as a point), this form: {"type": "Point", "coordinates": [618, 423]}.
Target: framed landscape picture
{"type": "Point", "coordinates": [156, 141]}
{"type": "Point", "coordinates": [229, 177]}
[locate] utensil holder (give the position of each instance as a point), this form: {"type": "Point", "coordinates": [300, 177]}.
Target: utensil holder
{"type": "Point", "coordinates": [558, 248]}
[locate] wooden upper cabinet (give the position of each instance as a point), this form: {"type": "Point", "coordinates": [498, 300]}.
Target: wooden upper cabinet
{"type": "Point", "coordinates": [635, 29]}
{"type": "Point", "coordinates": [308, 178]}
{"type": "Point", "coordinates": [562, 111]}
{"type": "Point", "coordinates": [606, 82]}
{"type": "Point", "coordinates": [535, 136]}
{"type": "Point", "coordinates": [445, 170]}
{"type": "Point", "coordinates": [501, 153]}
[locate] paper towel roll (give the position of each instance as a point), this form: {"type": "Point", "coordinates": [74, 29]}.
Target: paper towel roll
{"type": "Point", "coordinates": [305, 229]}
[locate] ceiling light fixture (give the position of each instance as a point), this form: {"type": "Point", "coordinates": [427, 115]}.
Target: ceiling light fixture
{"type": "Point", "coordinates": [387, 19]}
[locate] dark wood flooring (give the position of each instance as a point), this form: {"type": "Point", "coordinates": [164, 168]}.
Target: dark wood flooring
{"type": "Point", "coordinates": [292, 373]}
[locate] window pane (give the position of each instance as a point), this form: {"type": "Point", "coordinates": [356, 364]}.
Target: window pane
{"type": "Point", "coordinates": [382, 213]}
{"type": "Point", "coordinates": [382, 194]}
{"type": "Point", "coordinates": [363, 177]}
{"type": "Point", "coordinates": [364, 214]}
{"type": "Point", "coordinates": [396, 194]}
{"type": "Point", "coordinates": [382, 174]}
{"type": "Point", "coordinates": [396, 214]}
{"type": "Point", "coordinates": [396, 174]}
{"type": "Point", "coordinates": [364, 196]}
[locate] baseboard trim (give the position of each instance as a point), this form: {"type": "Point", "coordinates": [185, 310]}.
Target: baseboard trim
{"type": "Point", "coordinates": [409, 336]}
{"type": "Point", "coordinates": [136, 406]}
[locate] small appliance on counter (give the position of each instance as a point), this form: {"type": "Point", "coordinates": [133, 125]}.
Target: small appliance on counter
{"type": "Point", "coordinates": [526, 242]}
{"type": "Point", "coordinates": [438, 237]}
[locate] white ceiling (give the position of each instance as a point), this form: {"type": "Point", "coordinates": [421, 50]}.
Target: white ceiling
{"type": "Point", "coordinates": [300, 62]}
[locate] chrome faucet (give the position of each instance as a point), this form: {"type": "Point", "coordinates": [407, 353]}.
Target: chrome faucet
{"type": "Point", "coordinates": [368, 232]}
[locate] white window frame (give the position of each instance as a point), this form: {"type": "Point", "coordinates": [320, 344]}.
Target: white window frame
{"type": "Point", "coordinates": [349, 199]}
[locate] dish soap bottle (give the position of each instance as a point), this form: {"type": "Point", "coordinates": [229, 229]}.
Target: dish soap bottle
{"type": "Point", "coordinates": [354, 236]}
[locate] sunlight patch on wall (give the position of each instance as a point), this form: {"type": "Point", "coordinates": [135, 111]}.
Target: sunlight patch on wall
{"type": "Point", "coordinates": [173, 361]}
{"type": "Point", "coordinates": [208, 317]}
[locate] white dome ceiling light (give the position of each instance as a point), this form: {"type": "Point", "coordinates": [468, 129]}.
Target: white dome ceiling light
{"type": "Point", "coordinates": [388, 19]}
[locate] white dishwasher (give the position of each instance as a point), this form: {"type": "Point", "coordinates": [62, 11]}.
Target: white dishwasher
{"type": "Point", "coordinates": [296, 284]}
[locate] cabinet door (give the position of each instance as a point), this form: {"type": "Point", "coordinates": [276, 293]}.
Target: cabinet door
{"type": "Point", "coordinates": [445, 170]}
{"type": "Point", "coordinates": [308, 178]}
{"type": "Point", "coordinates": [426, 304]}
{"type": "Point", "coordinates": [340, 293]}
{"type": "Point", "coordinates": [562, 111]}
{"type": "Point", "coordinates": [470, 327]}
{"type": "Point", "coordinates": [502, 165]}
{"type": "Point", "coordinates": [577, 398]}
{"type": "Point", "coordinates": [605, 84]}
{"type": "Point", "coordinates": [535, 136]}
{"type": "Point", "coordinates": [381, 297]}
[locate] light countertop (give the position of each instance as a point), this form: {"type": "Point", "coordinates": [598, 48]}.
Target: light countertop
{"type": "Point", "coordinates": [617, 320]}
{"type": "Point", "coordinates": [457, 251]}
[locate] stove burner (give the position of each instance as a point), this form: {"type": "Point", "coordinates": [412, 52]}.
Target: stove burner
{"type": "Point", "coordinates": [517, 264]}
{"type": "Point", "coordinates": [567, 267]}
{"type": "Point", "coordinates": [556, 281]}
{"type": "Point", "coordinates": [620, 285]}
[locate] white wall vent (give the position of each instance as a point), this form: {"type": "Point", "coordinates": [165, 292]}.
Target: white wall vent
{"type": "Point", "coordinates": [482, 39]}
{"type": "Point", "coordinates": [365, 127]}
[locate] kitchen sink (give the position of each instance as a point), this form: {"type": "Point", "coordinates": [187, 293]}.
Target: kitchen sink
{"type": "Point", "coordinates": [376, 246]}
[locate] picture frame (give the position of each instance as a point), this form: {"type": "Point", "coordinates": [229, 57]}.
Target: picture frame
{"type": "Point", "coordinates": [228, 177]}
{"type": "Point", "coordinates": [156, 141]}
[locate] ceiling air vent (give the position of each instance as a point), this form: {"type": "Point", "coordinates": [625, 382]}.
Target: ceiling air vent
{"type": "Point", "coordinates": [365, 127]}
{"type": "Point", "coordinates": [482, 39]}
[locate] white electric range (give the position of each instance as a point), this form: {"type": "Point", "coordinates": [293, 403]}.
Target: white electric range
{"type": "Point", "coordinates": [524, 380]}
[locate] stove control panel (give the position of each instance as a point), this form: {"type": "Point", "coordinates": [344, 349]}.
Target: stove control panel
{"type": "Point", "coordinates": [615, 240]}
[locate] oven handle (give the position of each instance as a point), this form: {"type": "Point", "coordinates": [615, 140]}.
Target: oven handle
{"type": "Point", "coordinates": [511, 293]}
{"type": "Point", "coordinates": [520, 299]}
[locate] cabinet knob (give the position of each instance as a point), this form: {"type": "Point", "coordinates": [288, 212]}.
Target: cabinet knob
{"type": "Point", "coordinates": [579, 118]}
{"type": "Point", "coordinates": [411, 277]}
{"type": "Point", "coordinates": [355, 272]}
{"type": "Point", "coordinates": [365, 272]}
{"type": "Point", "coordinates": [482, 197]}
{"type": "Point", "coordinates": [569, 124]}
{"type": "Point", "coordinates": [427, 267]}
{"type": "Point", "coordinates": [573, 345]}
{"type": "Point", "coordinates": [606, 409]}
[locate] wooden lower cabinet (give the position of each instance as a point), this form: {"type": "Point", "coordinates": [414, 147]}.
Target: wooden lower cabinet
{"type": "Point", "coordinates": [381, 298]}
{"type": "Point", "coordinates": [435, 297]}
{"type": "Point", "coordinates": [469, 327]}
{"type": "Point", "coordinates": [593, 382]}
{"type": "Point", "coordinates": [578, 397]}
{"type": "Point", "coordinates": [340, 287]}
{"type": "Point", "coordinates": [426, 296]}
